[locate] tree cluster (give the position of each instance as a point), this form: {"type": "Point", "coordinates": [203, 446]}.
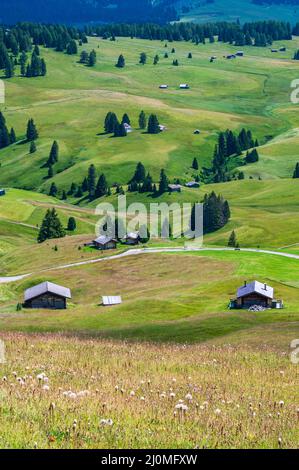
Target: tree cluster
{"type": "Point", "coordinates": [6, 137]}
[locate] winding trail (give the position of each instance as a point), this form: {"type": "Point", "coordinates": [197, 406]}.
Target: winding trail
{"type": "Point", "coordinates": [143, 251]}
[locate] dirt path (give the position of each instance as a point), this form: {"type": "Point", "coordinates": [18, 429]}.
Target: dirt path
{"type": "Point", "coordinates": [144, 251]}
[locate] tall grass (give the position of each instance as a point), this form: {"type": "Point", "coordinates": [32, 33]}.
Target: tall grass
{"type": "Point", "coordinates": [63, 392]}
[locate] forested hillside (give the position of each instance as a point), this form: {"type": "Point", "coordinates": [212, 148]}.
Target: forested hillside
{"type": "Point", "coordinates": [84, 10]}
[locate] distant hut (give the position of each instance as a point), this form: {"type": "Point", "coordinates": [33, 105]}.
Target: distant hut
{"type": "Point", "coordinates": [192, 184]}
{"type": "Point", "coordinates": [48, 296]}
{"type": "Point", "coordinates": [128, 127]}
{"type": "Point", "coordinates": [105, 243]}
{"type": "Point", "coordinates": [132, 238]}
{"type": "Point", "coordinates": [174, 188]}
{"type": "Point", "coordinates": [110, 300]}
{"type": "Point", "coordinates": [255, 294]}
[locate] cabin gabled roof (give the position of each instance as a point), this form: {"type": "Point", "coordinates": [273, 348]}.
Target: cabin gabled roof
{"type": "Point", "coordinates": [47, 287]}
{"type": "Point", "coordinates": [103, 240]}
{"type": "Point", "coordinates": [256, 287]}
{"type": "Point", "coordinates": [133, 235]}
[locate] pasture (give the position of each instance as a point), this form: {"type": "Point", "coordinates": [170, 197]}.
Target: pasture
{"type": "Point", "coordinates": [65, 392]}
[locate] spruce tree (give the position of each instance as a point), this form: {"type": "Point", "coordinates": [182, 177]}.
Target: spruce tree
{"type": "Point", "coordinates": [195, 164]}
{"type": "Point", "coordinates": [51, 173]}
{"type": "Point", "coordinates": [54, 153]}
{"type": "Point", "coordinates": [139, 175]}
{"type": "Point", "coordinates": [72, 47]}
{"type": "Point", "coordinates": [71, 225]}
{"type": "Point", "coordinates": [12, 136]}
{"type": "Point", "coordinates": [51, 227]}
{"type": "Point", "coordinates": [126, 119]}
{"type": "Point", "coordinates": [91, 179]}
{"type": "Point", "coordinates": [153, 125]}
{"type": "Point", "coordinates": [102, 186]}
{"type": "Point", "coordinates": [232, 241]}
{"type": "Point", "coordinates": [121, 62]}
{"type": "Point", "coordinates": [163, 184]}
{"type": "Point", "coordinates": [53, 190]}
{"type": "Point", "coordinates": [32, 133]}
{"type": "Point", "coordinates": [143, 58]}
{"type": "Point", "coordinates": [142, 120]}
{"type": "Point", "coordinates": [92, 60]}
{"type": "Point", "coordinates": [296, 171]}
{"type": "Point", "coordinates": [32, 148]}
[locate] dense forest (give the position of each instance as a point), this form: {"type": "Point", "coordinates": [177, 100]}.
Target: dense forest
{"type": "Point", "coordinates": [85, 10]}
{"type": "Point", "coordinates": [276, 2]}
{"type": "Point", "coordinates": [260, 33]}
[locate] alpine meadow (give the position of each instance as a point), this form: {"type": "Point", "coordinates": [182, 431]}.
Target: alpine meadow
{"type": "Point", "coordinates": [113, 336]}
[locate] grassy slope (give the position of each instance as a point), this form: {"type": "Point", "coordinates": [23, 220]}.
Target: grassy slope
{"type": "Point", "coordinates": [231, 10]}
{"type": "Point", "coordinates": [70, 105]}
{"type": "Point", "coordinates": [71, 102]}
{"type": "Point", "coordinates": [166, 297]}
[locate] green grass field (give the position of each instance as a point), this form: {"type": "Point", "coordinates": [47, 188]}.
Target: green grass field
{"type": "Point", "coordinates": [173, 336]}
{"type": "Point", "coordinates": [70, 105]}
{"type": "Point", "coordinates": [232, 10]}
{"type": "Point", "coordinates": [166, 297]}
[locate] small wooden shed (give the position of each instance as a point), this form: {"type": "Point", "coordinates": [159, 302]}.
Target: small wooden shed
{"type": "Point", "coordinates": [105, 243]}
{"type": "Point", "coordinates": [132, 238]}
{"type": "Point", "coordinates": [174, 188]}
{"type": "Point", "coordinates": [47, 295]}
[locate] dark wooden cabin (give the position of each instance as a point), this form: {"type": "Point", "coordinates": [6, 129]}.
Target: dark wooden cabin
{"type": "Point", "coordinates": [255, 294]}
{"type": "Point", "coordinates": [47, 296]}
{"type": "Point", "coordinates": [105, 243]}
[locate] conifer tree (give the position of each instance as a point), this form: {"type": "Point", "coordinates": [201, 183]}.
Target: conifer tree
{"type": "Point", "coordinates": [121, 62]}
{"type": "Point", "coordinates": [143, 58]}
{"type": "Point", "coordinates": [126, 119]}
{"type": "Point", "coordinates": [72, 47]}
{"type": "Point", "coordinates": [54, 153]}
{"type": "Point", "coordinates": [142, 120]}
{"type": "Point", "coordinates": [53, 190]}
{"type": "Point", "coordinates": [153, 125]}
{"type": "Point", "coordinates": [51, 227]}
{"type": "Point", "coordinates": [296, 171]}
{"type": "Point", "coordinates": [91, 179]}
{"type": "Point", "coordinates": [92, 60]}
{"type": "Point", "coordinates": [71, 225]}
{"type": "Point", "coordinates": [50, 172]}
{"type": "Point", "coordinates": [232, 241]}
{"type": "Point", "coordinates": [32, 148]}
{"type": "Point", "coordinates": [32, 133]}
{"type": "Point", "coordinates": [163, 184]}
{"type": "Point", "coordinates": [12, 136]}
{"type": "Point", "coordinates": [102, 186]}
{"type": "Point", "coordinates": [195, 164]}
